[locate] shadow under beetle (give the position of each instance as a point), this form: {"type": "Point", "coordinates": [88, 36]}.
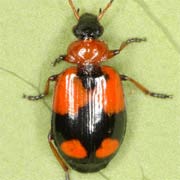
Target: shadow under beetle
{"type": "Point", "coordinates": [89, 116]}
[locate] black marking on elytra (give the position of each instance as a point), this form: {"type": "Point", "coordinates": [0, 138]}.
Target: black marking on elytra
{"type": "Point", "coordinates": [90, 128]}
{"type": "Point", "coordinates": [88, 75]}
{"type": "Point", "coordinates": [106, 77]}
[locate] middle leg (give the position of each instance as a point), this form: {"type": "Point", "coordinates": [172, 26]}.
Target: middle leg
{"type": "Point", "coordinates": [143, 89]}
{"type": "Point", "coordinates": [46, 90]}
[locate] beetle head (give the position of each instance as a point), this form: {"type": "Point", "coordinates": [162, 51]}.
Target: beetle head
{"type": "Point", "coordinates": [88, 26]}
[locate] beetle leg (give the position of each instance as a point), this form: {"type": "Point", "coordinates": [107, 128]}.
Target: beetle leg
{"type": "Point", "coordinates": [58, 157]}
{"type": "Point", "coordinates": [124, 44]}
{"type": "Point", "coordinates": [58, 60]}
{"type": "Point", "coordinates": [129, 41]}
{"type": "Point", "coordinates": [46, 90]}
{"type": "Point", "coordinates": [143, 89]}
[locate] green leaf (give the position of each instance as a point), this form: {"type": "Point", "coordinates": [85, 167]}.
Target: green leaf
{"type": "Point", "coordinates": [33, 33]}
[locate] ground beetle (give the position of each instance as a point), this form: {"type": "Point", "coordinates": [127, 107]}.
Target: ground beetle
{"type": "Point", "coordinates": [89, 116]}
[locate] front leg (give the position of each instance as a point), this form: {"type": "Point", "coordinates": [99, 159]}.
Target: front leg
{"type": "Point", "coordinates": [125, 44]}
{"type": "Point", "coordinates": [46, 90]}
{"type": "Point", "coordinates": [59, 59]}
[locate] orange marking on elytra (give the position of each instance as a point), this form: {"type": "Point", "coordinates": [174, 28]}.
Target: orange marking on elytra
{"type": "Point", "coordinates": [74, 149]}
{"type": "Point", "coordinates": [113, 97]}
{"type": "Point", "coordinates": [70, 94]}
{"type": "Point", "coordinates": [107, 148]}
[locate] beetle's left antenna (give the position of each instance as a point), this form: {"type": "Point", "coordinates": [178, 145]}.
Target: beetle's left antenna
{"type": "Point", "coordinates": [76, 14]}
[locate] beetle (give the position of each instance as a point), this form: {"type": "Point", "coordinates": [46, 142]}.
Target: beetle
{"type": "Point", "coordinates": [88, 115]}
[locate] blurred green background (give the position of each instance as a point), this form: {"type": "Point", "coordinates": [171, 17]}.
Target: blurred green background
{"type": "Point", "coordinates": [33, 33]}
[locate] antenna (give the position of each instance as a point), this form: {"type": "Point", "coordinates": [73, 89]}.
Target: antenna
{"type": "Point", "coordinates": [76, 14]}
{"type": "Point", "coordinates": [102, 12]}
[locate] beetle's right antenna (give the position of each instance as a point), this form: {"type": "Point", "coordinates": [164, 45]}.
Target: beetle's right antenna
{"type": "Point", "coordinates": [104, 10]}
{"type": "Point", "coordinates": [76, 14]}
